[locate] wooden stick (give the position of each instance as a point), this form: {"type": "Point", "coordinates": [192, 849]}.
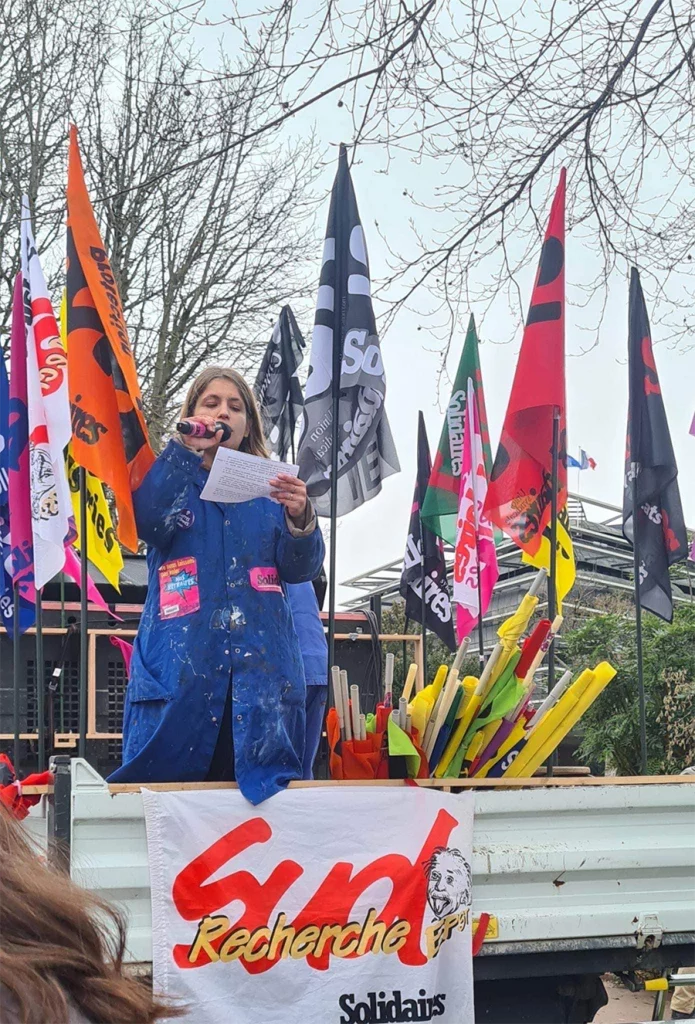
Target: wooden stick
{"type": "Point", "coordinates": [448, 694]}
{"type": "Point", "coordinates": [455, 667]}
{"type": "Point", "coordinates": [537, 782]}
{"type": "Point", "coordinates": [409, 682]}
{"type": "Point", "coordinates": [486, 675]}
{"type": "Point", "coordinates": [346, 704]}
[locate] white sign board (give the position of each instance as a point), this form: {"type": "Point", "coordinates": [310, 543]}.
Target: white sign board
{"type": "Point", "coordinates": [321, 906]}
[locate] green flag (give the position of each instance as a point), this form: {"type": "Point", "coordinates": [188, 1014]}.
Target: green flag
{"type": "Point", "coordinates": [440, 507]}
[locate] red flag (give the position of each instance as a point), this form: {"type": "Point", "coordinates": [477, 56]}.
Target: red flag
{"type": "Point", "coordinates": [518, 498]}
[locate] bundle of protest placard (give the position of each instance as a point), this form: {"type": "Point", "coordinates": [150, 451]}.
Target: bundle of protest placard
{"type": "Point", "coordinates": [480, 727]}
{"type": "Point", "coordinates": [486, 727]}
{"type": "Point", "coordinates": [383, 745]}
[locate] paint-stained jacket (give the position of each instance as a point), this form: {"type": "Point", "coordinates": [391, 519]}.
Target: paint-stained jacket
{"type": "Point", "coordinates": [236, 623]}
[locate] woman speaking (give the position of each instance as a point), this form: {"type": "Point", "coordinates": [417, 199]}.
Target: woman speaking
{"type": "Point", "coordinates": [216, 688]}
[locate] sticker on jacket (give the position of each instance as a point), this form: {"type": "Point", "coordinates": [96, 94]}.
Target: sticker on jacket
{"type": "Point", "coordinates": [178, 588]}
{"type": "Point", "coordinates": [266, 579]}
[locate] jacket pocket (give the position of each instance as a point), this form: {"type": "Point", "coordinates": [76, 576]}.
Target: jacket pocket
{"type": "Point", "coordinates": [143, 686]}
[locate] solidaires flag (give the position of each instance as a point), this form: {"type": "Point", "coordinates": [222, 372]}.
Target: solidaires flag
{"type": "Point", "coordinates": [441, 505]}
{"type": "Point", "coordinates": [108, 424]}
{"type": "Point", "coordinates": [345, 336]}
{"type": "Point", "coordinates": [661, 535]}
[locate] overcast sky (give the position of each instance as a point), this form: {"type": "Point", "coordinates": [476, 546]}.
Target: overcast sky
{"type": "Point", "coordinates": [596, 381]}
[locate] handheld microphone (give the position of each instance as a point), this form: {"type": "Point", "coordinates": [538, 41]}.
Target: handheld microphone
{"type": "Point", "coordinates": [201, 430]}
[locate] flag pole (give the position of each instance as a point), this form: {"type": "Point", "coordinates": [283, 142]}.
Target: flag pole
{"type": "Point", "coordinates": [40, 684]}
{"type": "Point", "coordinates": [481, 642]}
{"type": "Point", "coordinates": [423, 604]}
{"type": "Point", "coordinates": [84, 612]}
{"type": "Point", "coordinates": [634, 466]}
{"type": "Point", "coordinates": [16, 668]}
{"type": "Point", "coordinates": [338, 323]}
{"type": "Point", "coordinates": [552, 575]}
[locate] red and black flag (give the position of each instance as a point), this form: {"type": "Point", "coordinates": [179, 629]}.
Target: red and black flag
{"type": "Point", "coordinates": [518, 497]}
{"type": "Point", "coordinates": [438, 617]}
{"type": "Point", "coordinates": [659, 527]}
{"type": "Point", "coordinates": [109, 434]}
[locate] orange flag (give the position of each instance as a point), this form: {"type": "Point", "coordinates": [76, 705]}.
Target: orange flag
{"type": "Point", "coordinates": [109, 434]}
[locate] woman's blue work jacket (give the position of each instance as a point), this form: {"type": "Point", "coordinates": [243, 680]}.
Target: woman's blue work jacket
{"type": "Point", "coordinates": [215, 609]}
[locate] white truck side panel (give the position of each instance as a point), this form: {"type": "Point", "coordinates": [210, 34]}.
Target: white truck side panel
{"type": "Point", "coordinates": [571, 863]}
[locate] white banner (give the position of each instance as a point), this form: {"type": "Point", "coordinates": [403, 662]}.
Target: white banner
{"type": "Point", "coordinates": [321, 906]}
{"type": "Point", "coordinates": [49, 415]}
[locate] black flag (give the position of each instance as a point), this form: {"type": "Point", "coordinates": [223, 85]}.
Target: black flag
{"type": "Point", "coordinates": [345, 317]}
{"type": "Point", "coordinates": [661, 534]}
{"type": "Point", "coordinates": [277, 386]}
{"type": "Point", "coordinates": [438, 616]}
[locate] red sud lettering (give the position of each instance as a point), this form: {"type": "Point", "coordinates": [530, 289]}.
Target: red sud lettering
{"type": "Point", "coordinates": [262, 936]}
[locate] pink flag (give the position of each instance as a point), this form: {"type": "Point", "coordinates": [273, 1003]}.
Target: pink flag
{"type": "Point", "coordinates": [475, 558]}
{"type": "Point", "coordinates": [126, 650]}
{"type": "Point", "coordinates": [72, 569]}
{"type": "Point", "coordinates": [20, 504]}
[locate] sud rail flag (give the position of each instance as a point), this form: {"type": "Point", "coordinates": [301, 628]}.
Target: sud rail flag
{"type": "Point", "coordinates": [519, 494]}
{"type": "Point", "coordinates": [518, 498]}
{"type": "Point", "coordinates": [293, 912]}
{"type": "Point", "coordinates": [661, 534]}
{"type": "Point", "coordinates": [49, 416]}
{"type": "Point", "coordinates": [345, 318]}
{"type": "Point", "coordinates": [277, 386]}
{"type": "Point", "coordinates": [438, 615]}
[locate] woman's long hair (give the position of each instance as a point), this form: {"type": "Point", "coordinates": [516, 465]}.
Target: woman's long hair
{"type": "Point", "coordinates": [55, 950]}
{"type": "Point", "coordinates": [254, 444]}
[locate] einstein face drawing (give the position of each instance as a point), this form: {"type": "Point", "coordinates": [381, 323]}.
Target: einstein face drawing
{"type": "Point", "coordinates": [44, 497]}
{"type": "Point", "coordinates": [448, 882]}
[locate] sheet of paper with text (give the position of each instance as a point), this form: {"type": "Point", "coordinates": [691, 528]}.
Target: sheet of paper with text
{"type": "Point", "coordinates": [237, 476]}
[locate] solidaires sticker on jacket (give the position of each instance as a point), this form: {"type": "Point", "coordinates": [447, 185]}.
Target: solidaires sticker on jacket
{"type": "Point", "coordinates": [319, 907]}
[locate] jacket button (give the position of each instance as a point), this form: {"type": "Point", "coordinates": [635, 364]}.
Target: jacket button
{"type": "Point", "coordinates": [237, 650]}
{"type": "Point", "coordinates": [239, 718]}
{"type": "Point", "coordinates": [214, 720]}
{"type": "Point", "coordinates": [227, 522]}
{"type": "Point", "coordinates": [226, 650]}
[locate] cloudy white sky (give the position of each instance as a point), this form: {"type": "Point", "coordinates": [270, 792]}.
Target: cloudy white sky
{"type": "Point", "coordinates": [596, 381]}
